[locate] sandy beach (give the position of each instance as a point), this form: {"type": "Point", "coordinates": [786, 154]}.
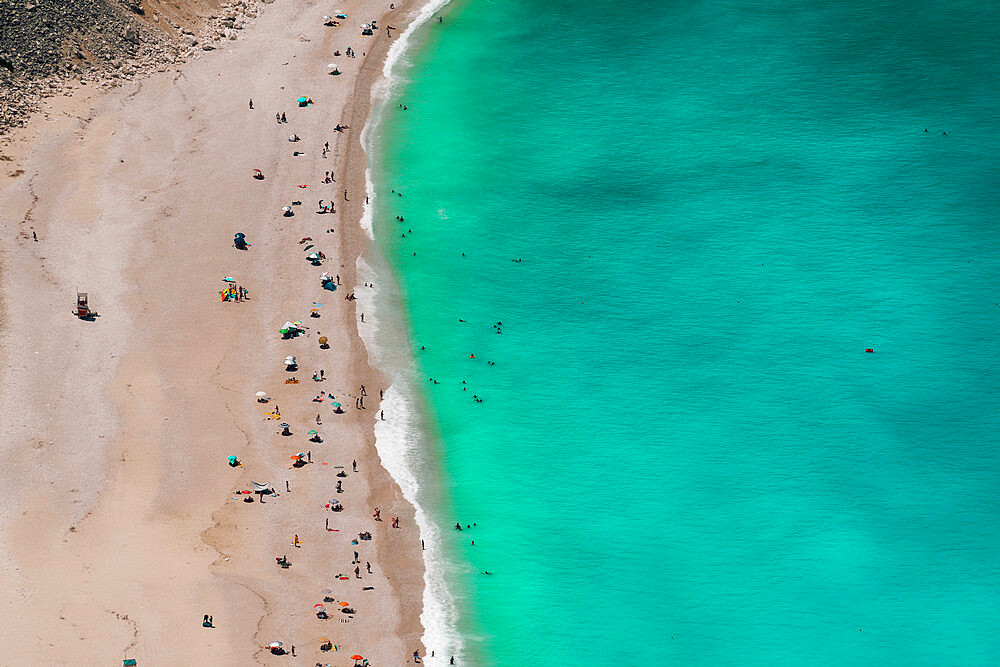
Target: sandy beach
{"type": "Point", "coordinates": [123, 523]}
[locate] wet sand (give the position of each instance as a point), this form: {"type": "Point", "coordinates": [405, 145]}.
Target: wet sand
{"type": "Point", "coordinates": [120, 527]}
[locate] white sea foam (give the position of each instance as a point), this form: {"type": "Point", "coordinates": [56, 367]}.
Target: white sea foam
{"type": "Point", "coordinates": [402, 447]}
{"type": "Point", "coordinates": [400, 438]}
{"type": "Point", "coordinates": [381, 90]}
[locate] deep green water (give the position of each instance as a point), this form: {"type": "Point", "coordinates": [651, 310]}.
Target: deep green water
{"type": "Point", "coordinates": [684, 454]}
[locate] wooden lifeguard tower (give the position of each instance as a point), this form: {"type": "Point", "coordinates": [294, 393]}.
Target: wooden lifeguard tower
{"type": "Point", "coordinates": [83, 310]}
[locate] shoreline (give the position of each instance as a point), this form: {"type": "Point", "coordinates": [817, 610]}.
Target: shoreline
{"type": "Point", "coordinates": [169, 549]}
{"type": "Point", "coordinates": [405, 442]}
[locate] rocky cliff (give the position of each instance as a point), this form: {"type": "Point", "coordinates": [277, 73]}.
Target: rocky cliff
{"type": "Point", "coordinates": [49, 46]}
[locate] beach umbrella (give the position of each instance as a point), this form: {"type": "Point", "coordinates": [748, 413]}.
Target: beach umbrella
{"type": "Point", "coordinates": [312, 255]}
{"type": "Point", "coordinates": [326, 591]}
{"type": "Point", "coordinates": [274, 645]}
{"type": "Point", "coordinates": [319, 607]}
{"type": "Point", "coordinates": [323, 340]}
{"type": "Point", "coordinates": [302, 100]}
{"type": "Point", "coordinates": [298, 323]}
{"type": "Point", "coordinates": [232, 460]}
{"type": "Point", "coordinates": [336, 405]}
{"type": "Point", "coordinates": [327, 18]}
{"type": "Point", "coordinates": [261, 394]}
{"type": "Point", "coordinates": [229, 279]}
{"type": "Point", "coordinates": [346, 604]}
{"type": "Point", "coordinates": [356, 657]}
{"type": "Point", "coordinates": [312, 432]}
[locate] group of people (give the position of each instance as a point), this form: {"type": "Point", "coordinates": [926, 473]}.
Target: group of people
{"type": "Point", "coordinates": [238, 293]}
{"type": "Point", "coordinates": [234, 293]}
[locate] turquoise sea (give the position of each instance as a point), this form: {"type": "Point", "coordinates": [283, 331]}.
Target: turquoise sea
{"type": "Point", "coordinates": [683, 454]}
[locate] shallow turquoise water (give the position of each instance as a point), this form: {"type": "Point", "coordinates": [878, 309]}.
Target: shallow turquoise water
{"type": "Point", "coordinates": [683, 454]}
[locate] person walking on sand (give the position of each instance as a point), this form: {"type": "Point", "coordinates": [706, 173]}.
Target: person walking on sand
{"type": "Point", "coordinates": [345, 196]}
{"type": "Point", "coordinates": [395, 522]}
{"type": "Point", "coordinates": [283, 119]}
{"type": "Point", "coordinates": [378, 514]}
{"type": "Point", "coordinates": [296, 543]}
{"type": "Point", "coordinates": [355, 561]}
{"type": "Point", "coordinates": [368, 566]}
{"type": "Point", "coordinates": [354, 464]}
{"type": "Point", "coordinates": [251, 103]}
{"type": "Point", "coordinates": [357, 572]}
